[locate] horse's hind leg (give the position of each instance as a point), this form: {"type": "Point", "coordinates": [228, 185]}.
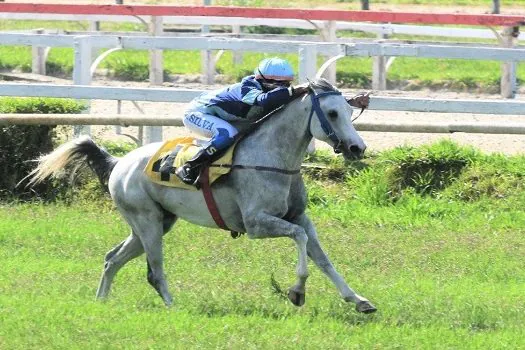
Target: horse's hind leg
{"type": "Point", "coordinates": [316, 253]}
{"type": "Point", "coordinates": [149, 225]}
{"type": "Point", "coordinates": [127, 250]}
{"type": "Point", "coordinates": [123, 252]}
{"type": "Point", "coordinates": [167, 223]}
{"type": "Point", "coordinates": [114, 251]}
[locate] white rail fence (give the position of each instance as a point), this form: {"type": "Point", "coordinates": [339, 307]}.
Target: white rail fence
{"type": "Point", "coordinates": [307, 52]}
{"type": "Point", "coordinates": [477, 106]}
{"type": "Point", "coordinates": [327, 29]}
{"type": "Point", "coordinates": [84, 44]}
{"type": "Point", "coordinates": [185, 95]}
{"type": "Point", "coordinates": [145, 120]}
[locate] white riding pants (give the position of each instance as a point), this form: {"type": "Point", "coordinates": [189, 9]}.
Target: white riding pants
{"type": "Point", "coordinates": [208, 125]}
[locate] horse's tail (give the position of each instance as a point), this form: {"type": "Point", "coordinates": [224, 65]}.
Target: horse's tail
{"type": "Point", "coordinates": [74, 153]}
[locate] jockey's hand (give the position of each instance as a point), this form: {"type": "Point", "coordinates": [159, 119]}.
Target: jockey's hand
{"type": "Point", "coordinates": [299, 90]}
{"type": "Point", "coordinates": [361, 100]}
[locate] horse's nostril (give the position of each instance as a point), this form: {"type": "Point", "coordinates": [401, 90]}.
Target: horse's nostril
{"type": "Point", "coordinates": [355, 149]}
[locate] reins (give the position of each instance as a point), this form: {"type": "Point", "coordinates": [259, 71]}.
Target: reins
{"type": "Point", "coordinates": [316, 108]}
{"type": "Point", "coordinates": [362, 110]}
{"type": "Point", "coordinates": [254, 126]}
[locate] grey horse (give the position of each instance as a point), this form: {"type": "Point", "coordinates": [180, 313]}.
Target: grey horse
{"type": "Point", "coordinates": [264, 195]}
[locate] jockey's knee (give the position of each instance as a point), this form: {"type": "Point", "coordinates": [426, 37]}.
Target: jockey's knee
{"type": "Point", "coordinates": [224, 138]}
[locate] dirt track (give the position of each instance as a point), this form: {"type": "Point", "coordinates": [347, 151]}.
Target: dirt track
{"type": "Point", "coordinates": [508, 144]}
{"type": "Point", "coordinates": [376, 141]}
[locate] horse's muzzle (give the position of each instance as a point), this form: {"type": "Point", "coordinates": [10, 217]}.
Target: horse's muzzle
{"type": "Point", "coordinates": [351, 152]}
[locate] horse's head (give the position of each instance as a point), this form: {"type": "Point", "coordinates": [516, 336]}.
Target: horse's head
{"type": "Point", "coordinates": [330, 120]}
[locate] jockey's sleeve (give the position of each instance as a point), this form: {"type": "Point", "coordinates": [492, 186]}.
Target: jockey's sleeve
{"type": "Point", "coordinates": [273, 99]}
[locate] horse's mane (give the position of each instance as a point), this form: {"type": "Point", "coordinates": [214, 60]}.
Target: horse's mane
{"type": "Point", "coordinates": [322, 84]}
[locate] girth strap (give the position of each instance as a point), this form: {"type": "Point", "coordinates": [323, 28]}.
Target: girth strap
{"type": "Point", "coordinates": [258, 168]}
{"type": "Point", "coordinates": [208, 197]}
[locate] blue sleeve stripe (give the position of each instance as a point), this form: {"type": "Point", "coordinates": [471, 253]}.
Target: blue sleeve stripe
{"type": "Point", "coordinates": [251, 96]}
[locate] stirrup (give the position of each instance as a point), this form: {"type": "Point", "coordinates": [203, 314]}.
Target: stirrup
{"type": "Point", "coordinates": [184, 173]}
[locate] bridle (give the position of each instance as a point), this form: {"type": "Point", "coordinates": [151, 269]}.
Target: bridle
{"type": "Point", "coordinates": [325, 125]}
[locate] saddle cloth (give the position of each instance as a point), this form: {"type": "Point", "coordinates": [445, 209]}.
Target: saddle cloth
{"type": "Point", "coordinates": [174, 153]}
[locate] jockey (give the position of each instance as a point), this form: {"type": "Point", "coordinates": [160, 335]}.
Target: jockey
{"type": "Point", "coordinates": [210, 113]}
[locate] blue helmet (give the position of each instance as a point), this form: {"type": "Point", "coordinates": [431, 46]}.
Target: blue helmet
{"type": "Point", "coordinates": [274, 69]}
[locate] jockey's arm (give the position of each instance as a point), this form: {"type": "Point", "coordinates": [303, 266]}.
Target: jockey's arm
{"type": "Point", "coordinates": [265, 102]}
{"type": "Point", "coordinates": [252, 95]}
{"type": "Point", "coordinates": [274, 98]}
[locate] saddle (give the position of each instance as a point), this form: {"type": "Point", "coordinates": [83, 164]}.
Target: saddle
{"type": "Point", "coordinates": [174, 153]}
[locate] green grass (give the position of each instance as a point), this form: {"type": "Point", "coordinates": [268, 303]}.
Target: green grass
{"type": "Point", "coordinates": [445, 268]}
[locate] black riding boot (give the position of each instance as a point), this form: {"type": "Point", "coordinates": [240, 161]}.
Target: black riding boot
{"type": "Point", "coordinates": [189, 172]}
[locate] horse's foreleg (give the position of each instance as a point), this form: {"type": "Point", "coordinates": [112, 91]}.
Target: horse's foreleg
{"type": "Point", "coordinates": [266, 226]}
{"type": "Point", "coordinates": [320, 258]}
{"type": "Point", "coordinates": [115, 259]}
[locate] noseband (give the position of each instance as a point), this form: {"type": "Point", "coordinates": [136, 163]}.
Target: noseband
{"type": "Point", "coordinates": [325, 125]}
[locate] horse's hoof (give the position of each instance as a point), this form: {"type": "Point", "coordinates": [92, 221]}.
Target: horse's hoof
{"type": "Point", "coordinates": [297, 298]}
{"type": "Point", "coordinates": [365, 307]}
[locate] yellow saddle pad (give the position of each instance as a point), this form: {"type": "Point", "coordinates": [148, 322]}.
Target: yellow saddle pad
{"type": "Point", "coordinates": [184, 148]}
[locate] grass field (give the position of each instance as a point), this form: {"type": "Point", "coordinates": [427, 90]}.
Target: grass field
{"type": "Point", "coordinates": [439, 252]}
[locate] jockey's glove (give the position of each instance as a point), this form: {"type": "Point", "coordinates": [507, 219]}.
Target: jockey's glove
{"type": "Point", "coordinates": [298, 90]}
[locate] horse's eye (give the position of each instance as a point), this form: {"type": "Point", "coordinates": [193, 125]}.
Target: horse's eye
{"type": "Point", "coordinates": [332, 114]}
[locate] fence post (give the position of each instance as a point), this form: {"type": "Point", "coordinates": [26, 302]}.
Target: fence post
{"type": "Point", "coordinates": [237, 55]}
{"type": "Point", "coordinates": [94, 26]}
{"type": "Point", "coordinates": [207, 60]}
{"type": "Point", "coordinates": [156, 76]}
{"type": "Point", "coordinates": [307, 69]}
{"type": "Point", "coordinates": [307, 62]}
{"type": "Point", "coordinates": [329, 35]}
{"type": "Point", "coordinates": [207, 67]}
{"type": "Point", "coordinates": [38, 64]}
{"type": "Point", "coordinates": [379, 68]}
{"type": "Point", "coordinates": [82, 74]}
{"type": "Point", "coordinates": [508, 69]}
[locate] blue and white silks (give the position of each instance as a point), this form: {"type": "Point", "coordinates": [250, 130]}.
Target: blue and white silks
{"type": "Point", "coordinates": [210, 113]}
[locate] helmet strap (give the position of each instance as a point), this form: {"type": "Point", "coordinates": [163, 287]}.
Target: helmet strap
{"type": "Point", "coordinates": [262, 75]}
{"type": "Point", "coordinates": [264, 82]}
